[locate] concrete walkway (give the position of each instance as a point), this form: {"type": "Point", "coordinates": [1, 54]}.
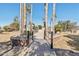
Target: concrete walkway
{"type": "Point", "coordinates": [40, 46]}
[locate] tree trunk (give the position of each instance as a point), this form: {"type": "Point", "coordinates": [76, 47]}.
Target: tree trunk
{"type": "Point", "coordinates": [23, 17]}
{"type": "Point", "coordinates": [31, 20]}
{"type": "Point", "coordinates": [46, 19]}
{"type": "Point", "coordinates": [52, 25]}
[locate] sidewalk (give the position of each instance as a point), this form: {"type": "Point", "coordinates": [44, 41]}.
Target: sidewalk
{"type": "Point", "coordinates": [40, 46]}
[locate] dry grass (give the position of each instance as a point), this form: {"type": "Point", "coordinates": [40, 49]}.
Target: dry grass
{"type": "Point", "coordinates": [5, 36]}
{"type": "Point", "coordinates": [61, 42]}
{"type": "Point", "coordinates": [67, 41]}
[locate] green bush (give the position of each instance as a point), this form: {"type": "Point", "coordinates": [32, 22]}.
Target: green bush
{"type": "Point", "coordinates": [6, 28]}
{"type": "Point", "coordinates": [39, 26]}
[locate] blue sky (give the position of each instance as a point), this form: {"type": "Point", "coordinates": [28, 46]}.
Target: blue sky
{"type": "Point", "coordinates": [8, 12]}
{"type": "Point", "coordinates": [63, 12]}
{"type": "Point", "coordinates": [68, 12]}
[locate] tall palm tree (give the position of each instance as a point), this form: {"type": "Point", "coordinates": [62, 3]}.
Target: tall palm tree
{"type": "Point", "coordinates": [15, 24]}
{"type": "Point", "coordinates": [31, 20]}
{"type": "Point", "coordinates": [23, 17]}
{"type": "Point", "coordinates": [46, 19]}
{"type": "Point", "coordinates": [29, 11]}
{"type": "Point", "coordinates": [53, 24]}
{"type": "Point", "coordinates": [54, 17]}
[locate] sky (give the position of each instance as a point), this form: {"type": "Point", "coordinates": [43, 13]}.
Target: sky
{"type": "Point", "coordinates": [7, 13]}
{"type": "Point", "coordinates": [64, 11]}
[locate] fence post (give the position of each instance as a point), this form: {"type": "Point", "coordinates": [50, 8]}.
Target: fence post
{"type": "Point", "coordinates": [51, 39]}
{"type": "Point", "coordinates": [28, 35]}
{"type": "Point", "coordinates": [32, 35]}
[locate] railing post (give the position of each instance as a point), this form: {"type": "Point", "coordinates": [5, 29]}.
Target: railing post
{"type": "Point", "coordinates": [28, 35]}
{"type": "Point", "coordinates": [51, 39]}
{"type": "Point", "coordinates": [32, 35]}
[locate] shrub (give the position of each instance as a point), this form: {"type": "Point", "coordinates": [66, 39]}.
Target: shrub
{"type": "Point", "coordinates": [39, 26]}
{"type": "Point", "coordinates": [6, 28]}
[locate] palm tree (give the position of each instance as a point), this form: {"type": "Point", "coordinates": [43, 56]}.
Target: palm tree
{"type": "Point", "coordinates": [15, 24]}
{"type": "Point", "coordinates": [25, 20]}
{"type": "Point", "coordinates": [31, 20]}
{"type": "Point", "coordinates": [46, 17]}
{"type": "Point", "coordinates": [23, 12]}
{"type": "Point", "coordinates": [21, 17]}
{"type": "Point", "coordinates": [66, 25]}
{"type": "Point", "coordinates": [29, 12]}
{"type": "Point", "coordinates": [28, 8]}
{"type": "Point", "coordinates": [53, 24]}
{"type": "Point", "coordinates": [70, 25]}
{"type": "Point", "coordinates": [53, 17]}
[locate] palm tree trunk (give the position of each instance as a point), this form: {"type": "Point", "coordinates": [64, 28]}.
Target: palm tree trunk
{"type": "Point", "coordinates": [23, 17]}
{"type": "Point", "coordinates": [54, 18]}
{"type": "Point", "coordinates": [31, 20]}
{"type": "Point", "coordinates": [20, 18]}
{"type": "Point", "coordinates": [46, 18]}
{"type": "Point", "coordinates": [52, 25]}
